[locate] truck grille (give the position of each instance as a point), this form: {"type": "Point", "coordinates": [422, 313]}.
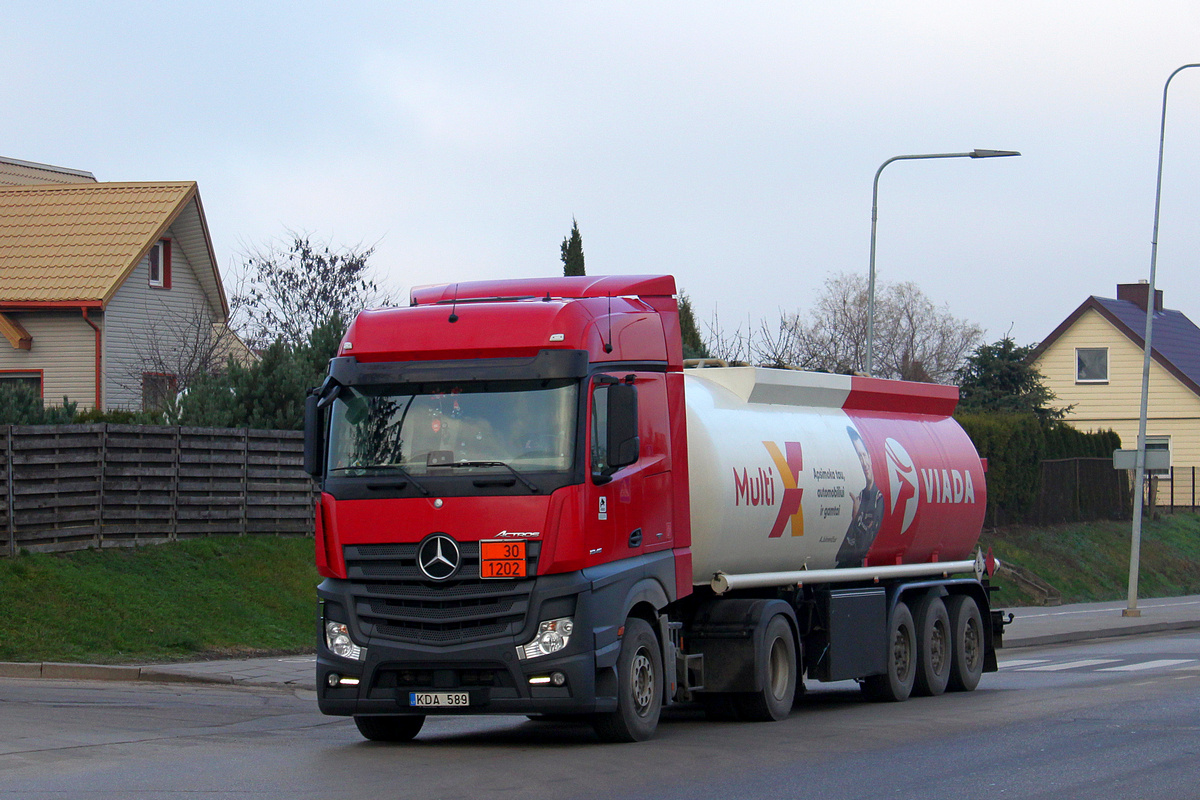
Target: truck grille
{"type": "Point", "coordinates": [394, 600]}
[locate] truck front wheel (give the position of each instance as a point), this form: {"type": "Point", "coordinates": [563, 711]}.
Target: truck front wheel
{"type": "Point", "coordinates": [897, 683]}
{"type": "Point", "coordinates": [639, 687]}
{"type": "Point", "coordinates": [397, 728]}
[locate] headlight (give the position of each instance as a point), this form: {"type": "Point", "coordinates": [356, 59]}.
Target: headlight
{"type": "Point", "coordinates": [337, 639]}
{"type": "Point", "coordinates": [552, 636]}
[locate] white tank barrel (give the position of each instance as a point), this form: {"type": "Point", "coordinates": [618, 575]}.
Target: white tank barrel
{"type": "Point", "coordinates": [797, 470]}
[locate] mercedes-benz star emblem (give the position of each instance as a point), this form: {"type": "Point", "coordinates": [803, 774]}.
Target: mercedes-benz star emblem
{"type": "Point", "coordinates": [438, 557]}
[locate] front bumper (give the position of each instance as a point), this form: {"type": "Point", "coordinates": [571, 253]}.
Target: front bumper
{"type": "Point", "coordinates": [488, 669]}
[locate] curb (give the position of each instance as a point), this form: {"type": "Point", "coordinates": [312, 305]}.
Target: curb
{"type": "Point", "coordinates": [107, 672]}
{"type": "Point", "coordinates": [1066, 637]}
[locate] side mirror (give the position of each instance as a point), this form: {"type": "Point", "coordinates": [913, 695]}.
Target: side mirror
{"type": "Point", "coordinates": [623, 442]}
{"type": "Point", "coordinates": [314, 442]}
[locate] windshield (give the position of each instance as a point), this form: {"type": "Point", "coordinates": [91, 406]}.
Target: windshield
{"type": "Point", "coordinates": [426, 429]}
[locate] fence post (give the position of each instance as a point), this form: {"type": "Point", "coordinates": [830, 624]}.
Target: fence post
{"type": "Point", "coordinates": [174, 534]}
{"type": "Point", "coordinates": [100, 489]}
{"type": "Point", "coordinates": [245, 480]}
{"type": "Point", "coordinates": [12, 510]}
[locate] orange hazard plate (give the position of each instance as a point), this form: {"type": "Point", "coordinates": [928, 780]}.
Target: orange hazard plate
{"type": "Point", "coordinates": [500, 559]}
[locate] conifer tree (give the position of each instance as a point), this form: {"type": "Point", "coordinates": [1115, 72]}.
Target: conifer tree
{"type": "Point", "coordinates": [572, 251]}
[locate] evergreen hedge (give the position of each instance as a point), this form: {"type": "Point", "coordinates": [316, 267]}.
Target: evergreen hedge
{"type": "Point", "coordinates": [1015, 444]}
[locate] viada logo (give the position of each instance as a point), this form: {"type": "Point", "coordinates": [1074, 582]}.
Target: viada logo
{"type": "Point", "coordinates": [902, 481]}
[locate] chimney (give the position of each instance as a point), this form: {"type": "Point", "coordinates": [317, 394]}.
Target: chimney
{"type": "Point", "coordinates": [1138, 293]}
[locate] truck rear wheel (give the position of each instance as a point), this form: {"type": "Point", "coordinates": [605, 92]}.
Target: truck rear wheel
{"type": "Point", "coordinates": [897, 683]}
{"type": "Point", "coordinates": [639, 687]}
{"type": "Point", "coordinates": [933, 647]}
{"type": "Point", "coordinates": [777, 663]}
{"type": "Point", "coordinates": [397, 728]}
{"type": "Point", "coordinates": [966, 632]}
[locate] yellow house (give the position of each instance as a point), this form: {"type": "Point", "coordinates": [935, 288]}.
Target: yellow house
{"type": "Point", "coordinates": [1093, 363]}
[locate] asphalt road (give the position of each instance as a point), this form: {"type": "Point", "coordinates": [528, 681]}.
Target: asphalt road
{"type": "Point", "coordinates": [1111, 719]}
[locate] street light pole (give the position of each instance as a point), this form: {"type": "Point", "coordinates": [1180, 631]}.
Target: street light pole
{"type": "Point", "coordinates": [1139, 473]}
{"type": "Point", "coordinates": [868, 365]}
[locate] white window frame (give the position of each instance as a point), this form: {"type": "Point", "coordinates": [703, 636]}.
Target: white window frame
{"type": "Point", "coordinates": [1107, 370]}
{"type": "Point", "coordinates": [1159, 442]}
{"type": "Point", "coordinates": [158, 260]}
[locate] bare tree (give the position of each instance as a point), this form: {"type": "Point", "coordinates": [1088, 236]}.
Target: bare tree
{"type": "Point", "coordinates": [732, 348]}
{"type": "Point", "coordinates": [286, 290]}
{"type": "Point", "coordinates": [914, 339]}
{"type": "Point", "coordinates": [775, 345]}
{"type": "Point", "coordinates": [183, 346]}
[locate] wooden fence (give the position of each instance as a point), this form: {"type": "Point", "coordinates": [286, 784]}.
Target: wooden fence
{"type": "Point", "coordinates": [72, 487]}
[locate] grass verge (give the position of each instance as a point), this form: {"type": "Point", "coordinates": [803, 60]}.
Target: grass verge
{"type": "Point", "coordinates": [218, 596]}
{"type": "Point", "coordinates": [244, 596]}
{"type": "Point", "coordinates": [1089, 562]}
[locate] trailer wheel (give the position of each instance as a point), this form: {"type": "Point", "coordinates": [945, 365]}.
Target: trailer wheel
{"type": "Point", "coordinates": [639, 687]}
{"type": "Point", "coordinates": [966, 630]}
{"type": "Point", "coordinates": [778, 667]}
{"type": "Point", "coordinates": [396, 728]}
{"type": "Point", "coordinates": [933, 647]}
{"type": "Point", "coordinates": [897, 683]}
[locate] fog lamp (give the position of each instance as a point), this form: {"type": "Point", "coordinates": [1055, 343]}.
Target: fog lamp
{"type": "Point", "coordinates": [552, 635]}
{"type": "Point", "coordinates": [337, 639]}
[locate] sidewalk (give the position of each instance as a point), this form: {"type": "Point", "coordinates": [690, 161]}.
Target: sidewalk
{"type": "Point", "coordinates": [1030, 627]}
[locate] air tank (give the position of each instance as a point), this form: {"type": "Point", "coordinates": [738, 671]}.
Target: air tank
{"type": "Point", "coordinates": [796, 470]}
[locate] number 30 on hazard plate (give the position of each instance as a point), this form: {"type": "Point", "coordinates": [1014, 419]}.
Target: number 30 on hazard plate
{"type": "Point", "coordinates": [502, 559]}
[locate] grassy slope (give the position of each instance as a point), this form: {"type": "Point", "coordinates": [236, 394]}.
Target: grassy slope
{"type": "Point", "coordinates": [1090, 561]}
{"type": "Point", "coordinates": [242, 596]}
{"type": "Point", "coordinates": [216, 596]}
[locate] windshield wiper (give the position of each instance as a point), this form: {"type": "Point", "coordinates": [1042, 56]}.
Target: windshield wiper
{"type": "Point", "coordinates": [528, 483]}
{"type": "Point", "coordinates": [386, 484]}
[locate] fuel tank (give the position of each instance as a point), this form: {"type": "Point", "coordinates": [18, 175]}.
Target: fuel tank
{"type": "Point", "coordinates": [796, 470]}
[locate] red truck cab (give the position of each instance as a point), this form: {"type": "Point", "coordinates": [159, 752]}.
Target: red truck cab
{"type": "Point", "coordinates": [499, 495]}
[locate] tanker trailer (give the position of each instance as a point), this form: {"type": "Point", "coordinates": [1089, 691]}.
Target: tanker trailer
{"type": "Point", "coordinates": [843, 505]}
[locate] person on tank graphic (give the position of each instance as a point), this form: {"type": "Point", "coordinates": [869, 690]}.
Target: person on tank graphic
{"type": "Point", "coordinates": [867, 515]}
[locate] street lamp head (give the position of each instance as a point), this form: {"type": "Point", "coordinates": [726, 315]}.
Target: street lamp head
{"type": "Point", "coordinates": [993, 153]}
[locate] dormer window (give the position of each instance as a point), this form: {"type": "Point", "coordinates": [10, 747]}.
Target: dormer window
{"type": "Point", "coordinates": [160, 264]}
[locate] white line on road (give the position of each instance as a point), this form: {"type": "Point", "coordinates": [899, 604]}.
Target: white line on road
{"type": "Point", "coordinates": [1022, 662]}
{"type": "Point", "coordinates": [1161, 663]}
{"type": "Point", "coordinates": [1086, 662]}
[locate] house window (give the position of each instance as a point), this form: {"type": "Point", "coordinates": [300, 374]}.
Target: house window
{"type": "Point", "coordinates": [29, 380]}
{"type": "Point", "coordinates": [1158, 443]}
{"type": "Point", "coordinates": [1091, 365]}
{"type": "Point", "coordinates": [160, 264]}
{"type": "Point", "coordinates": [158, 390]}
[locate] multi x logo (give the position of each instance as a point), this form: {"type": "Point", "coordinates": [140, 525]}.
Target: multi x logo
{"type": "Point", "coordinates": [759, 489]}
{"type": "Point", "coordinates": [790, 466]}
{"type": "Point", "coordinates": [905, 482]}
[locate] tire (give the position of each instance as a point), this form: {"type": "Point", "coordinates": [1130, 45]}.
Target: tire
{"type": "Point", "coordinates": [396, 728]}
{"type": "Point", "coordinates": [777, 665]}
{"type": "Point", "coordinates": [639, 687]}
{"type": "Point", "coordinates": [967, 643]}
{"type": "Point", "coordinates": [896, 684]}
{"type": "Point", "coordinates": [933, 647]}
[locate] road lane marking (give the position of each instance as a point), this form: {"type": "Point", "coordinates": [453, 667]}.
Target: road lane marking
{"type": "Point", "coordinates": [1161, 663]}
{"type": "Point", "coordinates": [1086, 662]}
{"type": "Point", "coordinates": [1022, 662]}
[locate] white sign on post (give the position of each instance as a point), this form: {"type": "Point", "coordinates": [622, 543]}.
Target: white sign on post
{"type": "Point", "coordinates": [1155, 459]}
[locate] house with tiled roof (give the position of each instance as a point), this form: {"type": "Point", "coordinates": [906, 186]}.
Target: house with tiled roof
{"type": "Point", "coordinates": [103, 286]}
{"type": "Point", "coordinates": [1093, 363]}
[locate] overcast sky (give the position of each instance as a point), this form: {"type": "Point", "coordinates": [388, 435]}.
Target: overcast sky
{"type": "Point", "coordinates": [731, 144]}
